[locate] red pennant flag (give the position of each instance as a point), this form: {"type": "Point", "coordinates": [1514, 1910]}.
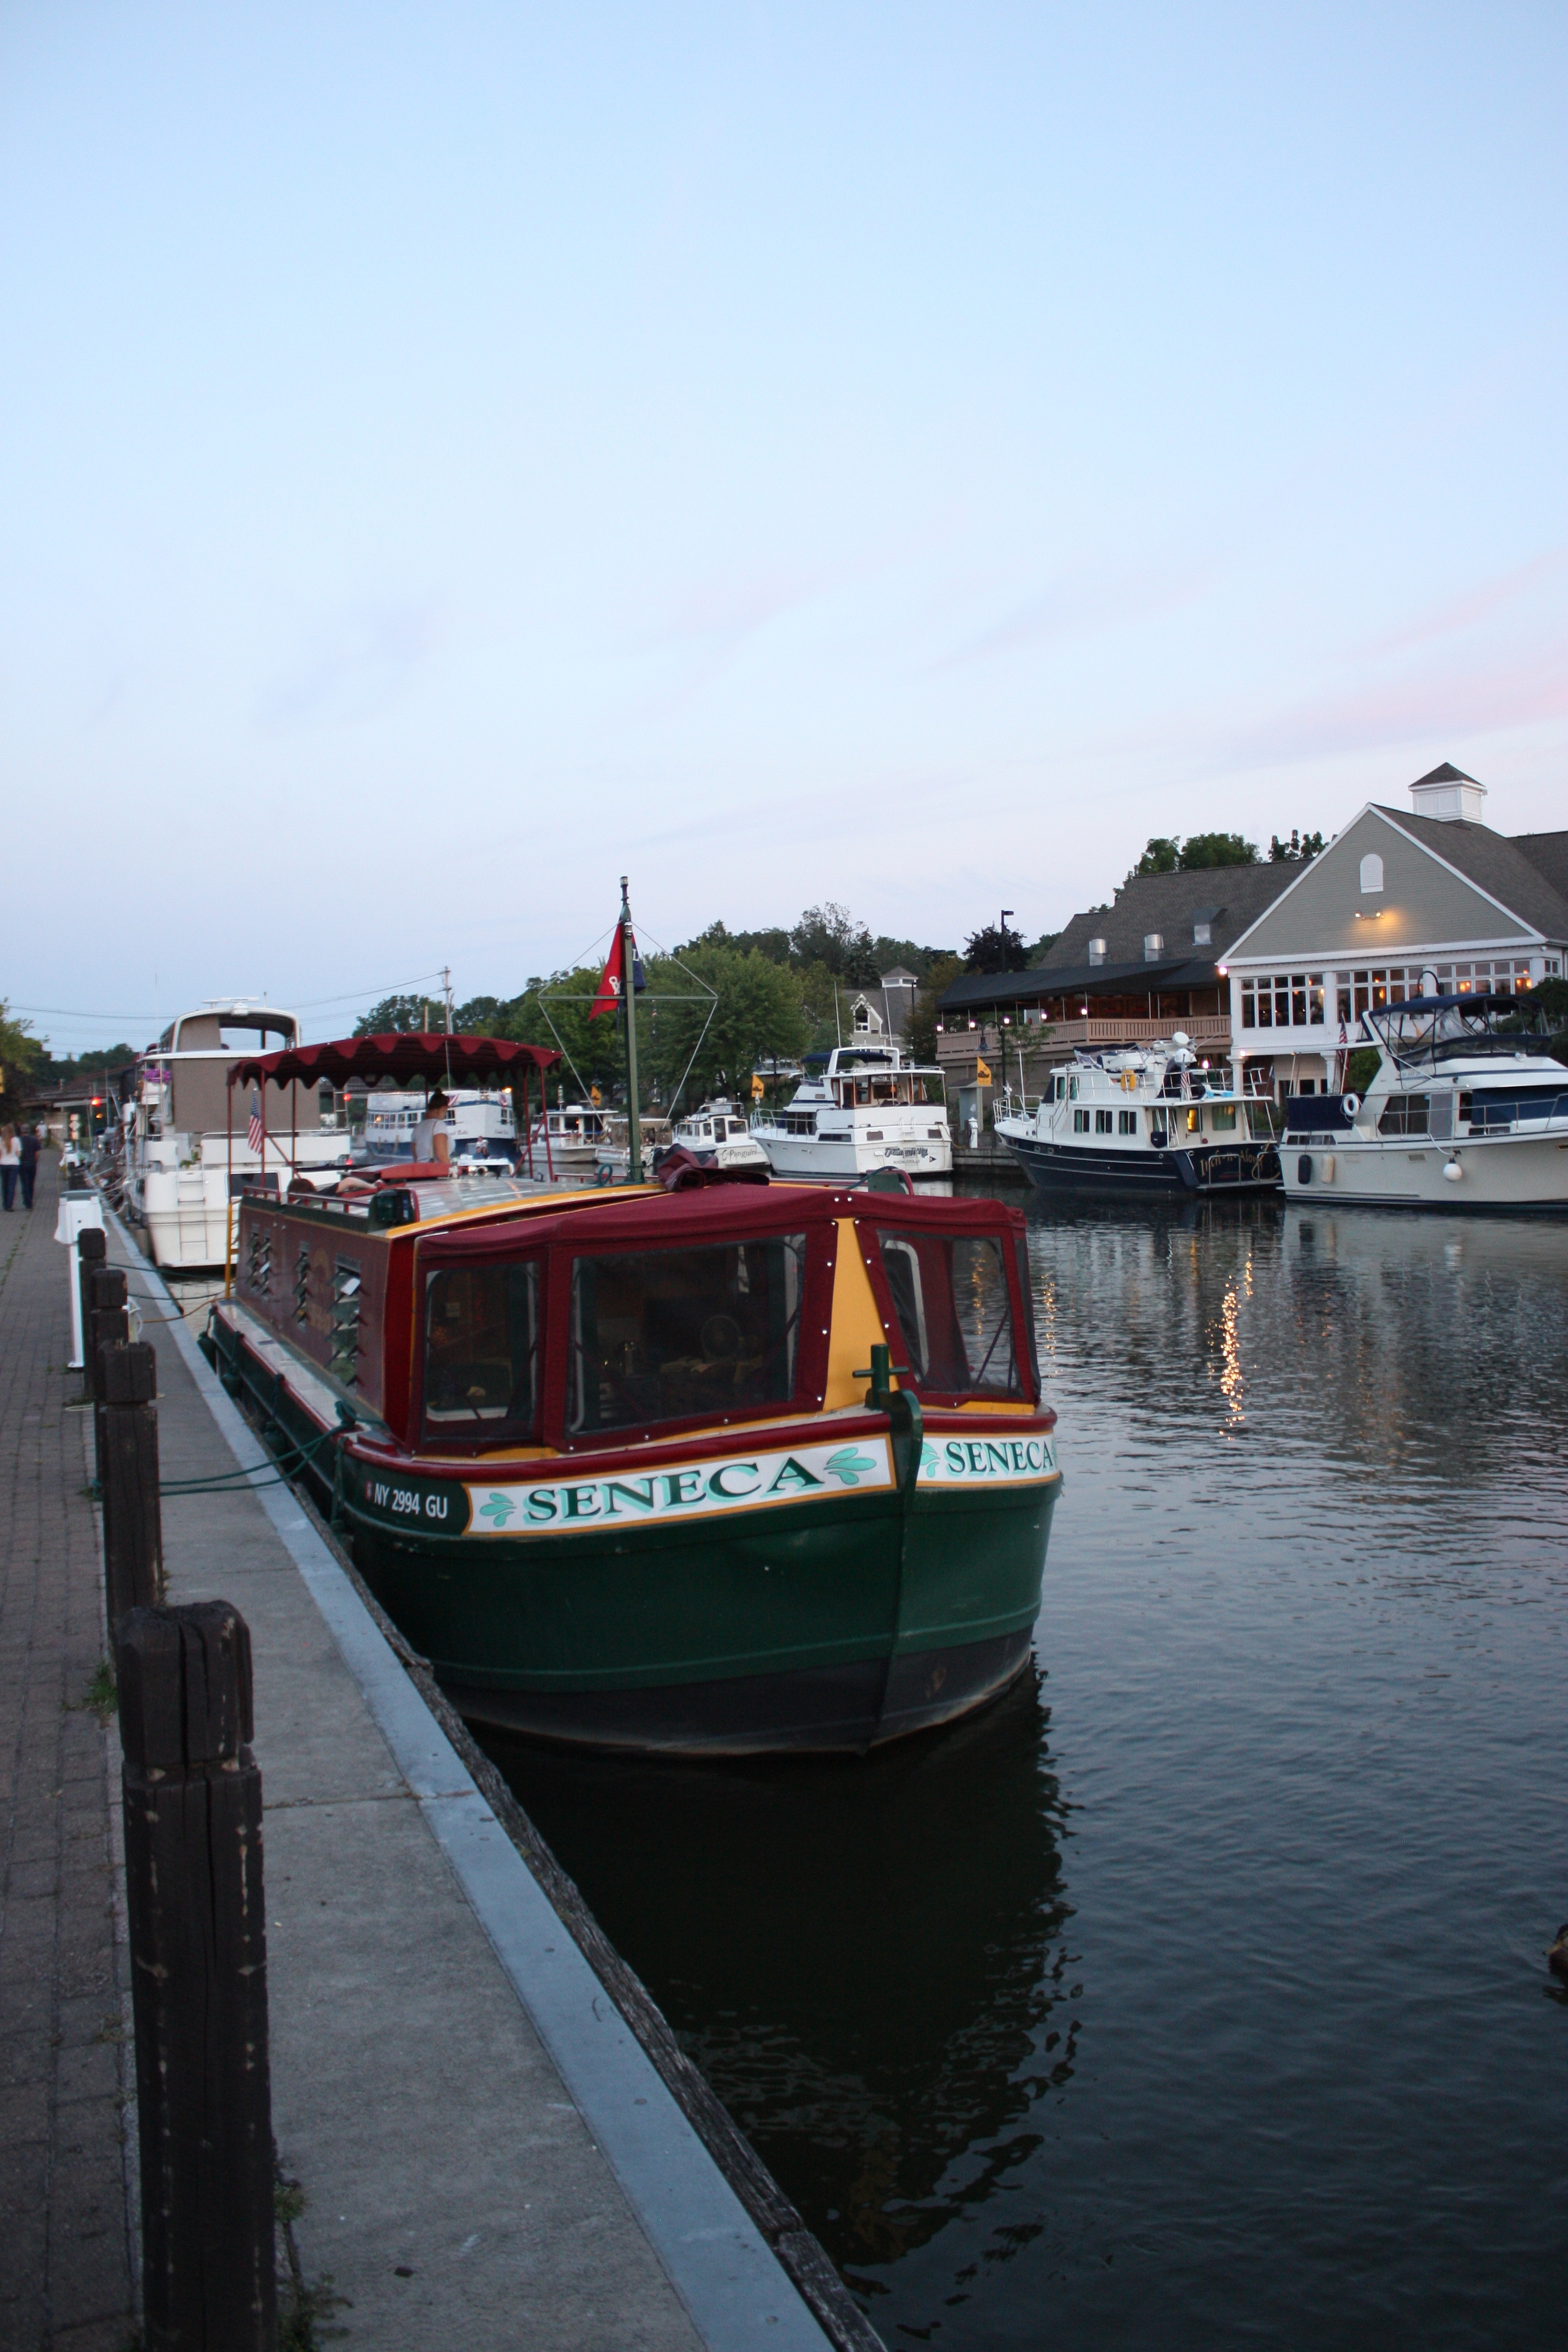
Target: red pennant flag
{"type": "Point", "coordinates": [612, 980]}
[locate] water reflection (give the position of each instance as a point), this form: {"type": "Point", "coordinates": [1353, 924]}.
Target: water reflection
{"type": "Point", "coordinates": [866, 1958]}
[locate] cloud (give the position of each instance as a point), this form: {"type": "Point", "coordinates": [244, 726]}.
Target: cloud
{"type": "Point", "coordinates": [1438, 707]}
{"type": "Point", "coordinates": [357, 666]}
{"type": "Point", "coordinates": [1078, 602]}
{"type": "Point", "coordinates": [1462, 612]}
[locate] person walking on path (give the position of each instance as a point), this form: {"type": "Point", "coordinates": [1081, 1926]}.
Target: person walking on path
{"type": "Point", "coordinates": [27, 1163]}
{"type": "Point", "coordinates": [10, 1161]}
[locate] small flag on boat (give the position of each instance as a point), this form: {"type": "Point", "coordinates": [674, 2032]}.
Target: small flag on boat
{"type": "Point", "coordinates": [613, 979]}
{"type": "Point", "coordinates": [982, 1072]}
{"type": "Point", "coordinates": [255, 1133]}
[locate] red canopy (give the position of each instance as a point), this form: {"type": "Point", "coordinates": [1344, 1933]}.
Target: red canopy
{"type": "Point", "coordinates": [419, 1053]}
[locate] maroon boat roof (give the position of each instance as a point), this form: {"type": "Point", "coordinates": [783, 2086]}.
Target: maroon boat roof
{"type": "Point", "coordinates": [738, 1213]}
{"type": "Point", "coordinates": [415, 1053]}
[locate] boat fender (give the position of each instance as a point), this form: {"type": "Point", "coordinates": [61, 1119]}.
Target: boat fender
{"type": "Point", "coordinates": [1130, 1082]}
{"type": "Point", "coordinates": [1304, 1169]}
{"type": "Point", "coordinates": [1453, 1171]}
{"type": "Point", "coordinates": [1350, 1105]}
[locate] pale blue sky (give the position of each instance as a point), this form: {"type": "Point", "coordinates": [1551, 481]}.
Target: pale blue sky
{"type": "Point", "coordinates": [905, 455]}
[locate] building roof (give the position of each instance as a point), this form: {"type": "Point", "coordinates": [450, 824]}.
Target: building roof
{"type": "Point", "coordinates": [1548, 853]}
{"type": "Point", "coordinates": [1446, 774]}
{"type": "Point", "coordinates": [899, 977]}
{"type": "Point", "coordinates": [983, 989]}
{"type": "Point", "coordinates": [1227, 898]}
{"type": "Point", "coordinates": [1500, 867]}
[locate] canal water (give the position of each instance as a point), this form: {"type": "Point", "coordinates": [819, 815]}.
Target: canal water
{"type": "Point", "coordinates": [1195, 1995]}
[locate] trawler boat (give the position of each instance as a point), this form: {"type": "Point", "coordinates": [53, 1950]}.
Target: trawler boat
{"type": "Point", "coordinates": [613, 1158]}
{"type": "Point", "coordinates": [722, 1468]}
{"type": "Point", "coordinates": [1145, 1119]}
{"type": "Point", "coordinates": [861, 1108]}
{"type": "Point", "coordinates": [717, 1137]}
{"type": "Point", "coordinates": [573, 1132]}
{"type": "Point", "coordinates": [183, 1165]}
{"type": "Point", "coordinates": [1469, 1109]}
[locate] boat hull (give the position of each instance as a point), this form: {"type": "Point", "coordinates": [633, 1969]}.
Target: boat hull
{"type": "Point", "coordinates": [826, 1160]}
{"type": "Point", "coordinates": [1528, 1173]}
{"type": "Point", "coordinates": [745, 1602]}
{"type": "Point", "coordinates": [1203, 1170]}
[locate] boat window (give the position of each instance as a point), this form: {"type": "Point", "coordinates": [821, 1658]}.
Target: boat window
{"type": "Point", "coordinates": [955, 1312]}
{"type": "Point", "coordinates": [1194, 1121]}
{"type": "Point", "coordinates": [1080, 1122]}
{"type": "Point", "coordinates": [685, 1334]}
{"type": "Point", "coordinates": [481, 1350]}
{"type": "Point", "coordinates": [1126, 1122]}
{"type": "Point", "coordinates": [1404, 1115]}
{"type": "Point", "coordinates": [1222, 1119]}
{"type": "Point", "coordinates": [1102, 1123]}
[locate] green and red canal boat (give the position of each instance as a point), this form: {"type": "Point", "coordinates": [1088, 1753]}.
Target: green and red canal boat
{"type": "Point", "coordinates": [747, 1467]}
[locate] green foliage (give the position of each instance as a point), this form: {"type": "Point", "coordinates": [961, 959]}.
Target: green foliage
{"type": "Point", "coordinates": [1361, 1067]}
{"type": "Point", "coordinates": [997, 948]}
{"type": "Point", "coordinates": [79, 1073]}
{"type": "Point", "coordinates": [1195, 854]}
{"type": "Point", "coordinates": [830, 936]}
{"type": "Point", "coordinates": [1296, 850]}
{"type": "Point", "coordinates": [758, 1018]}
{"type": "Point", "coordinates": [920, 1036]}
{"type": "Point", "coordinates": [18, 1063]}
{"type": "Point", "coordinates": [397, 1015]}
{"type": "Point", "coordinates": [1552, 997]}
{"type": "Point", "coordinates": [1046, 940]}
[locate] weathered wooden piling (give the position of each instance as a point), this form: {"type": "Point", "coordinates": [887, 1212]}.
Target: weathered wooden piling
{"type": "Point", "coordinates": [127, 1424]}
{"type": "Point", "coordinates": [198, 1957]}
{"type": "Point", "coordinates": [105, 1319]}
{"type": "Point", "coordinates": [91, 1248]}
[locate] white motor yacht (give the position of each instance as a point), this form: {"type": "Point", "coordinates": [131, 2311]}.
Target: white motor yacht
{"type": "Point", "coordinates": [184, 1165]}
{"type": "Point", "coordinates": [1145, 1119]}
{"type": "Point", "coordinates": [575, 1134]}
{"type": "Point", "coordinates": [861, 1108]}
{"type": "Point", "coordinates": [718, 1136]}
{"type": "Point", "coordinates": [1468, 1110]}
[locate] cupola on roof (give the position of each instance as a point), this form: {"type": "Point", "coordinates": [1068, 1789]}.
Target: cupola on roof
{"type": "Point", "coordinates": [1448, 793]}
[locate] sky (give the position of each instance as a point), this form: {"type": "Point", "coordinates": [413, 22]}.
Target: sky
{"type": "Point", "coordinates": [905, 455]}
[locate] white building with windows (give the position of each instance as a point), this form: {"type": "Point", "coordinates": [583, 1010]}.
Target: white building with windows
{"type": "Point", "coordinates": [1432, 902]}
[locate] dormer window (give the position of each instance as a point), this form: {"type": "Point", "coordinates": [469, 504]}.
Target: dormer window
{"type": "Point", "coordinates": [1153, 946]}
{"type": "Point", "coordinates": [1371, 873]}
{"type": "Point", "coordinates": [1203, 935]}
{"type": "Point", "coordinates": [1096, 951]}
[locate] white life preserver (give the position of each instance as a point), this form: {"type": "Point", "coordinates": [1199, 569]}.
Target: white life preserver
{"type": "Point", "coordinates": [1352, 1105]}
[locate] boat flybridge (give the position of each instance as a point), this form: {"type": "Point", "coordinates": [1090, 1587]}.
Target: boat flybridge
{"type": "Point", "coordinates": [861, 1108]}
{"type": "Point", "coordinates": [183, 1166]}
{"type": "Point", "coordinates": [1468, 1110]}
{"type": "Point", "coordinates": [1144, 1118]}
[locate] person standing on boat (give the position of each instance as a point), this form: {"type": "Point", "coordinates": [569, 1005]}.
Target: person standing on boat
{"type": "Point", "coordinates": [10, 1161]}
{"type": "Point", "coordinates": [28, 1148]}
{"type": "Point", "coordinates": [431, 1141]}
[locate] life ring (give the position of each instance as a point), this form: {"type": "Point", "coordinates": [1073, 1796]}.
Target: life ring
{"type": "Point", "coordinates": [1350, 1104]}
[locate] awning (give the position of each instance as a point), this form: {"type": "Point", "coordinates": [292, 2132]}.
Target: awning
{"type": "Point", "coordinates": [417, 1053]}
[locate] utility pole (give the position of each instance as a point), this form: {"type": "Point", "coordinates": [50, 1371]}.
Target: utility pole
{"type": "Point", "coordinates": [447, 993]}
{"type": "Point", "coordinates": [629, 998]}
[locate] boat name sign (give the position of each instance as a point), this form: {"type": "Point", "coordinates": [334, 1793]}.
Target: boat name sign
{"type": "Point", "coordinates": [696, 1489]}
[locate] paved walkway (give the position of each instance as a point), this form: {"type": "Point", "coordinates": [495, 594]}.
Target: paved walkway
{"type": "Point", "coordinates": [65, 2261]}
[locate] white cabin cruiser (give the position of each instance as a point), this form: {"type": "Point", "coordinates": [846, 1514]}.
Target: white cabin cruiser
{"type": "Point", "coordinates": [478, 1126]}
{"type": "Point", "coordinates": [861, 1108]}
{"type": "Point", "coordinates": [1145, 1119]}
{"type": "Point", "coordinates": [718, 1136]}
{"type": "Point", "coordinates": [183, 1165]}
{"type": "Point", "coordinates": [1468, 1110]}
{"type": "Point", "coordinates": [574, 1133]}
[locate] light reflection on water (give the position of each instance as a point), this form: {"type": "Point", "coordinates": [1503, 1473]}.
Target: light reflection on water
{"type": "Point", "coordinates": [1195, 1994]}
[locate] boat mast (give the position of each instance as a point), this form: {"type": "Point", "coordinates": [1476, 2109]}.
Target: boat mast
{"type": "Point", "coordinates": [629, 998]}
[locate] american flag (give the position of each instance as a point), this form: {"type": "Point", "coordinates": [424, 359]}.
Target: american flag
{"type": "Point", "coordinates": [255, 1133]}
{"type": "Point", "coordinates": [1343, 1039]}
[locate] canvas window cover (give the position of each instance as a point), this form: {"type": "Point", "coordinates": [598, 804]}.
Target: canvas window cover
{"type": "Point", "coordinates": [481, 1351]}
{"type": "Point", "coordinates": [684, 1335]}
{"type": "Point", "coordinates": [955, 1312]}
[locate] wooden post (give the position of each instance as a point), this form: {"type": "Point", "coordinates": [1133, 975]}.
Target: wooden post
{"type": "Point", "coordinates": [105, 1319]}
{"type": "Point", "coordinates": [128, 1475]}
{"type": "Point", "coordinates": [198, 1958]}
{"type": "Point", "coordinates": [91, 1248]}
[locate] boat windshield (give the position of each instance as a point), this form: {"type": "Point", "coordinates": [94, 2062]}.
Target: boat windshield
{"type": "Point", "coordinates": [1432, 1029]}
{"type": "Point", "coordinates": [955, 1312]}
{"type": "Point", "coordinates": [676, 1335]}
{"type": "Point", "coordinates": [481, 1351]}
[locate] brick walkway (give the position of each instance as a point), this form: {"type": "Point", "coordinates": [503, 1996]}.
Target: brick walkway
{"type": "Point", "coordinates": [65, 2263]}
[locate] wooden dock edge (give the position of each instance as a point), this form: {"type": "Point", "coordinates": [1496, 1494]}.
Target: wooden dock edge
{"type": "Point", "coordinates": [464, 1798]}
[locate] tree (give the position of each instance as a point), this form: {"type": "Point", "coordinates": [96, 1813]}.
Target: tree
{"type": "Point", "coordinates": [397, 1015]}
{"type": "Point", "coordinates": [18, 1063]}
{"type": "Point", "coordinates": [1046, 940]}
{"type": "Point", "coordinates": [1197, 852]}
{"type": "Point", "coordinates": [1296, 850]}
{"type": "Point", "coordinates": [757, 1018]}
{"type": "Point", "coordinates": [921, 1035]}
{"type": "Point", "coordinates": [1551, 996]}
{"type": "Point", "coordinates": [998, 947]}
{"type": "Point", "coordinates": [829, 935]}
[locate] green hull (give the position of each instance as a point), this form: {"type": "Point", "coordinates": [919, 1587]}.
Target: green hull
{"type": "Point", "coordinates": [838, 1621]}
